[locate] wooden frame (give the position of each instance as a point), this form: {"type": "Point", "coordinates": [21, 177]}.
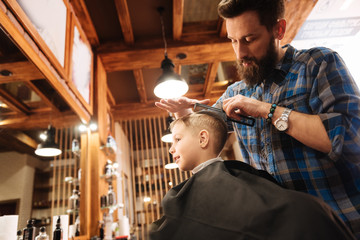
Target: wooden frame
{"type": "Point", "coordinates": [66, 69]}
{"type": "Point", "coordinates": [29, 26]}
{"type": "Point", "coordinates": [76, 79]}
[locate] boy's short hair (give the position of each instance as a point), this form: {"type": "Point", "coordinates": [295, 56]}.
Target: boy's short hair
{"type": "Point", "coordinates": [269, 11]}
{"type": "Point", "coordinates": [210, 121]}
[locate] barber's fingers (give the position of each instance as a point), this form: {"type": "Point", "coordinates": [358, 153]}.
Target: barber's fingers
{"type": "Point", "coordinates": [205, 101]}
{"type": "Point", "coordinates": [162, 105]}
{"type": "Point", "coordinates": [178, 104]}
{"type": "Point", "coordinates": [232, 106]}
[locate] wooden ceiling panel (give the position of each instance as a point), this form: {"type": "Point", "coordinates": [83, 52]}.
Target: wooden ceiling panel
{"type": "Point", "coordinates": [151, 58]}
{"type": "Point", "coordinates": [122, 85]}
{"type": "Point", "coordinates": [127, 37]}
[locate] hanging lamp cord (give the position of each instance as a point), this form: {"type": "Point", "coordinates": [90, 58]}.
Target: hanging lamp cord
{"type": "Point", "coordinates": [161, 10]}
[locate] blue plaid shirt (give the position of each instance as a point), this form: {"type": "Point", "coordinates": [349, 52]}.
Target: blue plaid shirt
{"type": "Point", "coordinates": [314, 81]}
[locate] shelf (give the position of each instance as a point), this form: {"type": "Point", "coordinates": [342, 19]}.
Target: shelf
{"type": "Point", "coordinates": [42, 207]}
{"type": "Point", "coordinates": [111, 177]}
{"type": "Point", "coordinates": [109, 151]}
{"type": "Point", "coordinates": [72, 180]}
{"type": "Point", "coordinates": [69, 211]}
{"type": "Point", "coordinates": [113, 207]}
{"type": "Point", "coordinates": [77, 153]}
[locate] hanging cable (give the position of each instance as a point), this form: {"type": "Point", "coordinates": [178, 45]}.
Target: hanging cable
{"type": "Point", "coordinates": [161, 10]}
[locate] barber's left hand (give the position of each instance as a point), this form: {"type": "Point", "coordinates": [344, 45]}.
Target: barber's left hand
{"type": "Point", "coordinates": [245, 106]}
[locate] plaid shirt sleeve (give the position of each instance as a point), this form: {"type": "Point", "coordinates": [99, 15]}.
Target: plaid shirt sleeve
{"type": "Point", "coordinates": [336, 99]}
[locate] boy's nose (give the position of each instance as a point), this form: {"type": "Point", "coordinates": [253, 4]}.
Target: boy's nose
{"type": "Point", "coordinates": [171, 150]}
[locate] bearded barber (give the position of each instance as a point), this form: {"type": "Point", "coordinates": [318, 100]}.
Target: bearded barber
{"type": "Point", "coordinates": [306, 105]}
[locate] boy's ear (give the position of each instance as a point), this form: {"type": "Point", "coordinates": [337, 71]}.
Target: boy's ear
{"type": "Point", "coordinates": [204, 138]}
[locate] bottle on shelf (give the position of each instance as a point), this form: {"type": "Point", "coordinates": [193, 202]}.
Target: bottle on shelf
{"type": "Point", "coordinates": [111, 198]}
{"type": "Point", "coordinates": [42, 234]}
{"type": "Point", "coordinates": [57, 235]}
{"type": "Point", "coordinates": [103, 201]}
{"type": "Point", "coordinates": [77, 226]}
{"type": "Point", "coordinates": [111, 144]}
{"type": "Point", "coordinates": [19, 235]}
{"type": "Point", "coordinates": [79, 175]}
{"type": "Point", "coordinates": [75, 146]}
{"type": "Point", "coordinates": [108, 171]}
{"type": "Point", "coordinates": [74, 200]}
{"type": "Point", "coordinates": [101, 229]}
{"type": "Point", "coordinates": [29, 231]}
{"type": "Point", "coordinates": [108, 221]}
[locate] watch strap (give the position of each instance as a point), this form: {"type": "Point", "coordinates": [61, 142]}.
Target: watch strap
{"type": "Point", "coordinates": [286, 113]}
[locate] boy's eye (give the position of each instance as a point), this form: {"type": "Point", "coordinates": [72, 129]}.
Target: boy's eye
{"type": "Point", "coordinates": [177, 139]}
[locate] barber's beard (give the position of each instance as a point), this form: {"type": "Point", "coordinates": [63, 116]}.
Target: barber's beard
{"type": "Point", "coordinates": [257, 72]}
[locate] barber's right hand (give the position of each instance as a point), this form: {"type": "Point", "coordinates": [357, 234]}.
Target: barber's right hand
{"type": "Point", "coordinates": [179, 106]}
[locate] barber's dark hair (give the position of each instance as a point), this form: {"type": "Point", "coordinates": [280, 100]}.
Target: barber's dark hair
{"type": "Point", "coordinates": [269, 11]}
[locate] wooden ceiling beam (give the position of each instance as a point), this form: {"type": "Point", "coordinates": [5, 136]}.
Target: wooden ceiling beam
{"type": "Point", "coordinates": [25, 139]}
{"type": "Point", "coordinates": [84, 18]}
{"type": "Point", "coordinates": [125, 21]}
{"type": "Point", "coordinates": [135, 110]}
{"type": "Point", "coordinates": [210, 77]}
{"type": "Point", "coordinates": [178, 16]}
{"type": "Point", "coordinates": [13, 103]}
{"type": "Point", "coordinates": [151, 58]}
{"type": "Point", "coordinates": [17, 141]}
{"type": "Point", "coordinates": [40, 120]}
{"type": "Point", "coordinates": [110, 97]}
{"type": "Point", "coordinates": [20, 71]}
{"type": "Point", "coordinates": [140, 85]}
{"type": "Point", "coordinates": [42, 96]}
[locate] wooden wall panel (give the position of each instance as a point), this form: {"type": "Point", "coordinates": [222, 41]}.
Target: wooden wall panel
{"type": "Point", "coordinates": [150, 179]}
{"type": "Point", "coordinates": [63, 166]}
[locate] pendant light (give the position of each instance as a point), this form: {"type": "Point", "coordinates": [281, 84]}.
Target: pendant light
{"type": "Point", "coordinates": [169, 84]}
{"type": "Point", "coordinates": [167, 136]}
{"type": "Point", "coordinates": [48, 148]}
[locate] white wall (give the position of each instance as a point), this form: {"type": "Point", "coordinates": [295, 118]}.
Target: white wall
{"type": "Point", "coordinates": [17, 181]}
{"type": "Point", "coordinates": [124, 162]}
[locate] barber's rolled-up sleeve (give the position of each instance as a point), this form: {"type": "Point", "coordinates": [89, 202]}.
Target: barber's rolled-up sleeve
{"type": "Point", "coordinates": [335, 98]}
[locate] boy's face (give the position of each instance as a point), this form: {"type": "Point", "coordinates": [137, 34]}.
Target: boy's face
{"type": "Point", "coordinates": [186, 147]}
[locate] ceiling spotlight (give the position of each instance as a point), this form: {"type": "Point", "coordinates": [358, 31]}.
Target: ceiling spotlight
{"type": "Point", "coordinates": [93, 126]}
{"type": "Point", "coordinates": [3, 105]}
{"type": "Point", "coordinates": [82, 128]}
{"type": "Point", "coordinates": [43, 136]}
{"type": "Point", "coordinates": [5, 73]}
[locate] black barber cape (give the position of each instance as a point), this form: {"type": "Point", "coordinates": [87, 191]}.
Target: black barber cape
{"type": "Point", "coordinates": [231, 200]}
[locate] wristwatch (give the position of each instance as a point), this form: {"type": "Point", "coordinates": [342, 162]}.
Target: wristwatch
{"type": "Point", "coordinates": [282, 123]}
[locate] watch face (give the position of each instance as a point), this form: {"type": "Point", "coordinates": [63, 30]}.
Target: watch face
{"type": "Point", "coordinates": [282, 125]}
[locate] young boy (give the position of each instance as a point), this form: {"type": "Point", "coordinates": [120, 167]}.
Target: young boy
{"type": "Point", "coordinates": [232, 200]}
